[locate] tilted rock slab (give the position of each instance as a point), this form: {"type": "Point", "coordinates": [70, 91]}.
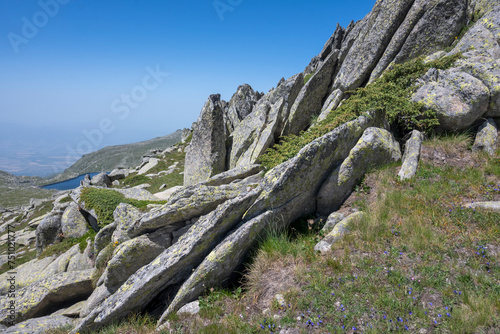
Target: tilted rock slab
{"type": "Point", "coordinates": [206, 155]}
{"type": "Point", "coordinates": [310, 99]}
{"type": "Point", "coordinates": [411, 156]}
{"type": "Point", "coordinates": [48, 294]}
{"type": "Point", "coordinates": [171, 267]}
{"type": "Point", "coordinates": [340, 229]}
{"type": "Point", "coordinates": [27, 274]}
{"type": "Point", "coordinates": [124, 216]}
{"type": "Point", "coordinates": [493, 206]}
{"type": "Point", "coordinates": [220, 263]}
{"type": "Point", "coordinates": [486, 138]}
{"type": "Point", "coordinates": [188, 203]}
{"type": "Point", "coordinates": [40, 325]}
{"type": "Point", "coordinates": [376, 147]}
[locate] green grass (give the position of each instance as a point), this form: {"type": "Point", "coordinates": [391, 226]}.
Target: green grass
{"type": "Point", "coordinates": [105, 201]}
{"type": "Point", "coordinates": [389, 94]}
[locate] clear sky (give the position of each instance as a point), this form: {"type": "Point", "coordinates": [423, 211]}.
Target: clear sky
{"type": "Point", "coordinates": [134, 70]}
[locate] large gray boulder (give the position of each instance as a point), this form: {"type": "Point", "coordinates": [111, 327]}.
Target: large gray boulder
{"type": "Point", "coordinates": [171, 267]}
{"type": "Point", "coordinates": [486, 138]}
{"type": "Point", "coordinates": [73, 224]}
{"type": "Point", "coordinates": [101, 180]}
{"type": "Point", "coordinates": [124, 216]}
{"type": "Point", "coordinates": [261, 128]}
{"type": "Point", "coordinates": [458, 98]}
{"type": "Point", "coordinates": [375, 148]}
{"type": "Point", "coordinates": [48, 294]}
{"type": "Point", "coordinates": [486, 69]}
{"type": "Point", "coordinates": [48, 232]}
{"type": "Point", "coordinates": [240, 106]}
{"type": "Point", "coordinates": [206, 155]}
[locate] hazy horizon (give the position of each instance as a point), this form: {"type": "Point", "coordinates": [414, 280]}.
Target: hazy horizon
{"type": "Point", "coordinates": [81, 75]}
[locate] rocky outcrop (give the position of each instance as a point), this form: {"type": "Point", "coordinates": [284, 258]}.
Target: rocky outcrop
{"type": "Point", "coordinates": [206, 155]}
{"type": "Point", "coordinates": [261, 128]}
{"type": "Point", "coordinates": [486, 138]}
{"type": "Point", "coordinates": [240, 106]}
{"type": "Point", "coordinates": [101, 180]}
{"type": "Point", "coordinates": [411, 156]}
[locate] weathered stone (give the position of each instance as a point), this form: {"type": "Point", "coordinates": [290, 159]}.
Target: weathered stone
{"type": "Point", "coordinates": [206, 155]}
{"type": "Point", "coordinates": [457, 97]}
{"type": "Point", "coordinates": [73, 311]}
{"type": "Point", "coordinates": [234, 174]}
{"type": "Point", "coordinates": [26, 239]}
{"type": "Point", "coordinates": [376, 147]}
{"type": "Point", "coordinates": [27, 274]}
{"type": "Point", "coordinates": [333, 219]}
{"type": "Point", "coordinates": [310, 99]}
{"type": "Point", "coordinates": [48, 232]}
{"type": "Point", "coordinates": [40, 325]}
{"type": "Point", "coordinates": [338, 232]}
{"type": "Point", "coordinates": [82, 260]}
{"type": "Point", "coordinates": [133, 254]}
{"type": "Point", "coordinates": [486, 138]}
{"type": "Point", "coordinates": [73, 224]}
{"type": "Point", "coordinates": [101, 180]}
{"type": "Point", "coordinates": [190, 202]}
{"type": "Point", "coordinates": [171, 267]}
{"type": "Point", "coordinates": [335, 42]}
{"type": "Point", "coordinates": [218, 266]}
{"type": "Point", "coordinates": [165, 195]}
{"type": "Point", "coordinates": [492, 206]}
{"type": "Point", "coordinates": [191, 308]}
{"type": "Point", "coordinates": [483, 36]}
{"type": "Point", "coordinates": [260, 129]}
{"type": "Point", "coordinates": [124, 216]}
{"type": "Point", "coordinates": [240, 106]}
{"type": "Point", "coordinates": [152, 163]}
{"type": "Point", "coordinates": [96, 298]}
{"type": "Point", "coordinates": [487, 70]}
{"type": "Point", "coordinates": [331, 103]}
{"type": "Point", "coordinates": [35, 222]}
{"type": "Point", "coordinates": [411, 156]}
{"type": "Point", "coordinates": [118, 174]}
{"type": "Point", "coordinates": [429, 26]}
{"type": "Point", "coordinates": [103, 237]}
{"type": "Point", "coordinates": [42, 297]}
{"type": "Point", "coordinates": [374, 34]}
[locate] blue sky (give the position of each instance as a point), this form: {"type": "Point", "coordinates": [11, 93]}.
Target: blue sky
{"type": "Point", "coordinates": [68, 65]}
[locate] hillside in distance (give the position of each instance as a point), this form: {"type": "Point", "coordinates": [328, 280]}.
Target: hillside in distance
{"type": "Point", "coordinates": [111, 157]}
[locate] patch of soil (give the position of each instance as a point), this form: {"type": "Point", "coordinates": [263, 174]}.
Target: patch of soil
{"type": "Point", "coordinates": [459, 157]}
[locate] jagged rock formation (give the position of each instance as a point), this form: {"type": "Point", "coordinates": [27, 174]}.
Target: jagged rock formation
{"type": "Point", "coordinates": [166, 256]}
